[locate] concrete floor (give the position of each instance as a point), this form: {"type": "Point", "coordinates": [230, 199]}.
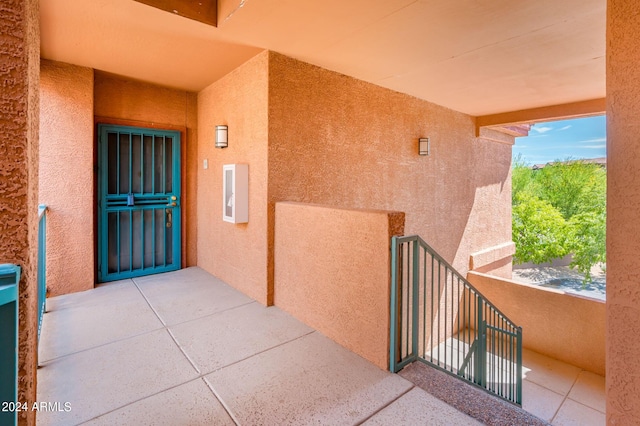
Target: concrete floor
{"type": "Point", "coordinates": [554, 391]}
{"type": "Point", "coordinates": [560, 393]}
{"type": "Point", "coordinates": [184, 348]}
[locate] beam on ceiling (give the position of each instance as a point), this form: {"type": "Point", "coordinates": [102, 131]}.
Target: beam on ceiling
{"type": "Point", "coordinates": [205, 11]}
{"type": "Point", "coordinates": [550, 113]}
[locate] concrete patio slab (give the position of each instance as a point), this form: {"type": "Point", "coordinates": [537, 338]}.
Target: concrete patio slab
{"type": "Point", "coordinates": [85, 320]}
{"type": "Point", "coordinates": [589, 390]}
{"type": "Point", "coordinates": [540, 401]}
{"type": "Point", "coordinates": [227, 337]}
{"type": "Point", "coordinates": [108, 377]}
{"type": "Point", "coordinates": [225, 359]}
{"type": "Point", "coordinates": [575, 414]}
{"type": "Point", "coordinates": [192, 403]}
{"type": "Point", "coordinates": [188, 294]}
{"type": "Point", "coordinates": [311, 380]}
{"type": "Point", "coordinates": [417, 407]}
{"type": "Point", "coordinates": [548, 372]}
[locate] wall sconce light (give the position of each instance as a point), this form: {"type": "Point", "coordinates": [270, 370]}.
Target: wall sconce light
{"type": "Point", "coordinates": [222, 136]}
{"type": "Point", "coordinates": [424, 146]}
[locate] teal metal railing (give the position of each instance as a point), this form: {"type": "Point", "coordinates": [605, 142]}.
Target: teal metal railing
{"type": "Point", "coordinates": [42, 265]}
{"type": "Point", "coordinates": [9, 279]}
{"type": "Point", "coordinates": [439, 318]}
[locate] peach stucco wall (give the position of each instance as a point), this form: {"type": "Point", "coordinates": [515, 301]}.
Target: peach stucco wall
{"type": "Point", "coordinates": [565, 327]}
{"type": "Point", "coordinates": [332, 272]}
{"type": "Point", "coordinates": [623, 205]}
{"type": "Point", "coordinates": [236, 253]}
{"type": "Point", "coordinates": [66, 164]}
{"type": "Point", "coordinates": [19, 105]}
{"type": "Point", "coordinates": [343, 142]}
{"type": "Point", "coordinates": [312, 135]}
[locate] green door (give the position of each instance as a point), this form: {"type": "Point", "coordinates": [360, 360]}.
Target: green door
{"type": "Point", "coordinates": [138, 202]}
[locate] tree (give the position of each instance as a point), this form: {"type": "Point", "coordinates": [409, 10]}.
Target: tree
{"type": "Point", "coordinates": [572, 186]}
{"type": "Point", "coordinates": [557, 210]}
{"type": "Point", "coordinates": [587, 241]}
{"type": "Point", "coordinates": [522, 179]}
{"type": "Point", "coordinates": [539, 230]}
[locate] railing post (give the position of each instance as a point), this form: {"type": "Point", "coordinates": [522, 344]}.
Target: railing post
{"type": "Point", "coordinates": [480, 373]}
{"type": "Point", "coordinates": [415, 324]}
{"type": "Point", "coordinates": [519, 367]}
{"type": "Point", "coordinates": [393, 335]}
{"type": "Point", "coordinates": [42, 264]}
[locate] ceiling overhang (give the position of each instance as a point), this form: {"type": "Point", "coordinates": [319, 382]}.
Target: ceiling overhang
{"type": "Point", "coordinates": [480, 58]}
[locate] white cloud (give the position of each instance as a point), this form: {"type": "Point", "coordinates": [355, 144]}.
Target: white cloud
{"type": "Point", "coordinates": [543, 129]}
{"type": "Point", "coordinates": [596, 140]}
{"type": "Point", "coordinates": [592, 146]}
{"type": "Point", "coordinates": [568, 126]}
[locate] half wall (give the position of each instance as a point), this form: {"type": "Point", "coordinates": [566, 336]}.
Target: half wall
{"type": "Point", "coordinates": [332, 273]}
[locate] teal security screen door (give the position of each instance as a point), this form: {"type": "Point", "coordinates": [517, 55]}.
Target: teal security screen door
{"type": "Point", "coordinates": [138, 202]}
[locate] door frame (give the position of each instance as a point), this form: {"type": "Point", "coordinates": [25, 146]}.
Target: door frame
{"type": "Point", "coordinates": [183, 180]}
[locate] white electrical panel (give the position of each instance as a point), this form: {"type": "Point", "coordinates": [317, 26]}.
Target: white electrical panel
{"type": "Point", "coordinates": [235, 193]}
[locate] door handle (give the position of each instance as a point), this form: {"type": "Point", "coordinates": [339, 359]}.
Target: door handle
{"type": "Point", "coordinates": [172, 204]}
{"type": "Point", "coordinates": [169, 218]}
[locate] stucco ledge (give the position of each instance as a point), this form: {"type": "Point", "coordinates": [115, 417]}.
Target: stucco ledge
{"type": "Point", "coordinates": [492, 254]}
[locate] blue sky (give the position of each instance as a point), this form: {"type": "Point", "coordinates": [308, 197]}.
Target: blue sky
{"type": "Point", "coordinates": [559, 140]}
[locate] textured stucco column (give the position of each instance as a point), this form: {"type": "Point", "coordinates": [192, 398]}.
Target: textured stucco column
{"type": "Point", "coordinates": [20, 70]}
{"type": "Point", "coordinates": [66, 149]}
{"type": "Point", "coordinates": [623, 207]}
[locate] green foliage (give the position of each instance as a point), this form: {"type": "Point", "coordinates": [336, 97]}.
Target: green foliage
{"type": "Point", "coordinates": [557, 210]}
{"type": "Point", "coordinates": [587, 241]}
{"type": "Point", "coordinates": [539, 230]}
{"type": "Point", "coordinates": [521, 179]}
{"type": "Point", "coordinates": [572, 188]}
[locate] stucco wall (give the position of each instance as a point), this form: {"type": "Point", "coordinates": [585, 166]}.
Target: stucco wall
{"type": "Point", "coordinates": [312, 135]}
{"type": "Point", "coordinates": [340, 141]}
{"type": "Point", "coordinates": [147, 105]}
{"type": "Point", "coordinates": [19, 67]}
{"type": "Point", "coordinates": [332, 272]}
{"type": "Point", "coordinates": [236, 253]}
{"type": "Point", "coordinates": [565, 327]}
{"type": "Point", "coordinates": [623, 204]}
{"type": "Point", "coordinates": [66, 174]}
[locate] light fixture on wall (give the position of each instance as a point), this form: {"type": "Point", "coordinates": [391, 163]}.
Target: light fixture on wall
{"type": "Point", "coordinates": [222, 136]}
{"type": "Point", "coordinates": [424, 146]}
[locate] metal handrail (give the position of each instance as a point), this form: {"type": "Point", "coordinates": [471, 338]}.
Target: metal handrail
{"type": "Point", "coordinates": [439, 318]}
{"type": "Point", "coordinates": [42, 264]}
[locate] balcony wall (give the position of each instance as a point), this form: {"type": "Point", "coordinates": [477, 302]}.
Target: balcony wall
{"type": "Point", "coordinates": [332, 272]}
{"type": "Point", "coordinates": [565, 327]}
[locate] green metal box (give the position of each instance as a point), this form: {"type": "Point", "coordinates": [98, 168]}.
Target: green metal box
{"type": "Point", "coordinates": [9, 278]}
